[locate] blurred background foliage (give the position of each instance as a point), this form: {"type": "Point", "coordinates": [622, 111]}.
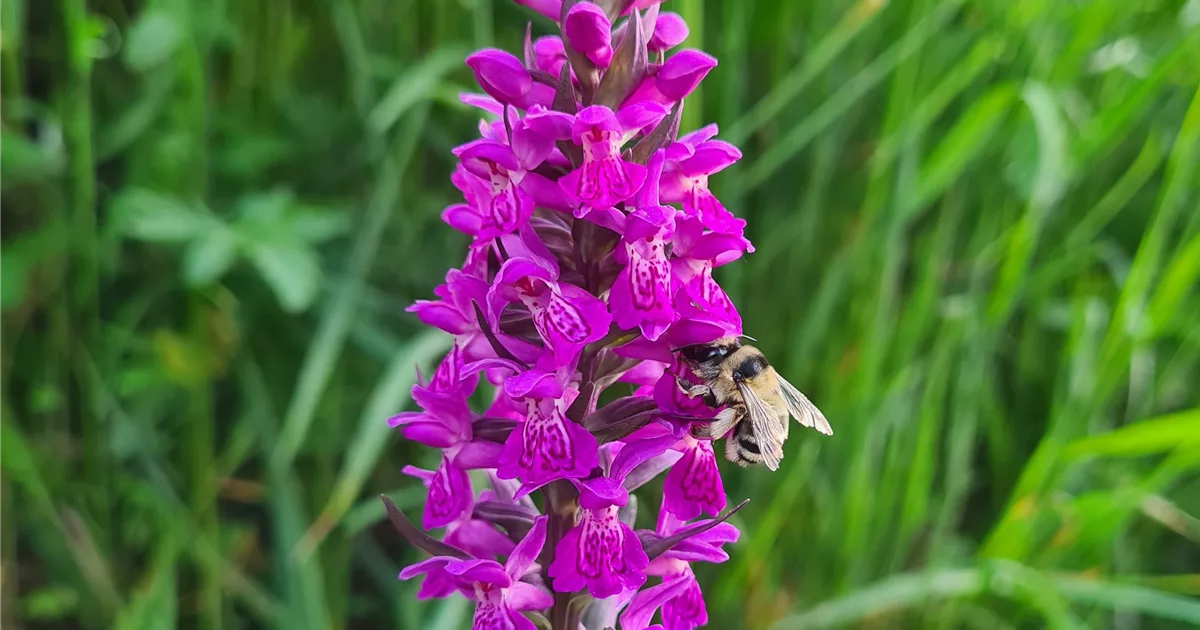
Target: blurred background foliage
{"type": "Point", "coordinates": [978, 249]}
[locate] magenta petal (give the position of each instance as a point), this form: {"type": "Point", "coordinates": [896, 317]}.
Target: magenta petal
{"type": "Point", "coordinates": [686, 609]}
{"type": "Point", "coordinates": [440, 315]}
{"type": "Point", "coordinates": [546, 193]}
{"type": "Point", "coordinates": [463, 218]}
{"type": "Point", "coordinates": [641, 610]}
{"type": "Point", "coordinates": [683, 72]}
{"type": "Point", "coordinates": [527, 551]}
{"type": "Point", "coordinates": [531, 147]}
{"type": "Point", "coordinates": [640, 115]}
{"type": "Point", "coordinates": [593, 118]}
{"type": "Point", "coordinates": [600, 553]}
{"type": "Point", "coordinates": [482, 571]}
{"type": "Point", "coordinates": [500, 74]}
{"type": "Point", "coordinates": [482, 101]}
{"type": "Point", "coordinates": [602, 492]}
{"type": "Point", "coordinates": [479, 538]}
{"type": "Point", "coordinates": [478, 454]}
{"type": "Point", "coordinates": [436, 563]}
{"type": "Point", "coordinates": [489, 151]}
{"type": "Point", "coordinates": [449, 496]}
{"type": "Point", "coordinates": [547, 122]}
{"type": "Point", "coordinates": [572, 319]}
{"type": "Point", "coordinates": [431, 433]}
{"type": "Point", "coordinates": [709, 158]}
{"type": "Point", "coordinates": [533, 383]}
{"type": "Point", "coordinates": [636, 452]}
{"type": "Point", "coordinates": [669, 31]}
{"type": "Point", "coordinates": [549, 54]}
{"type": "Point", "coordinates": [419, 473]}
{"type": "Point", "coordinates": [588, 31]}
{"type": "Point", "coordinates": [549, 8]}
{"type": "Point", "coordinates": [703, 134]}
{"type": "Point", "coordinates": [694, 484]}
{"type": "Point", "coordinates": [650, 469]}
{"type": "Point", "coordinates": [648, 195]}
{"type": "Point", "coordinates": [525, 596]}
{"type": "Point", "coordinates": [547, 446]}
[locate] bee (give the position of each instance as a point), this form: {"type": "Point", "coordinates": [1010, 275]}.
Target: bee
{"type": "Point", "coordinates": [758, 401]}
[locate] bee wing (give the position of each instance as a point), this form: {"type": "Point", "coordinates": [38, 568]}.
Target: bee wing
{"type": "Point", "coordinates": [764, 422]}
{"type": "Point", "coordinates": [802, 408]}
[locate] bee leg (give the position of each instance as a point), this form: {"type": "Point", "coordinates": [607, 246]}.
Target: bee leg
{"type": "Point", "coordinates": [720, 425]}
{"type": "Point", "coordinates": [693, 391]}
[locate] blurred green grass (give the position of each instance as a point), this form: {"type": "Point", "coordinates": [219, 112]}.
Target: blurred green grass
{"type": "Point", "coordinates": [978, 250]}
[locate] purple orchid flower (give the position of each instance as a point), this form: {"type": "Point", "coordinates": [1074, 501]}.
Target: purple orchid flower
{"type": "Point", "coordinates": [641, 295]}
{"type": "Point", "coordinates": [605, 178]}
{"type": "Point", "coordinates": [497, 590]}
{"type": "Point", "coordinates": [685, 180]}
{"type": "Point", "coordinates": [566, 316]}
{"type": "Point", "coordinates": [547, 445]}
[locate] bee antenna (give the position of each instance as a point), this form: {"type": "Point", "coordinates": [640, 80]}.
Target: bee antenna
{"type": "Point", "coordinates": [748, 337]}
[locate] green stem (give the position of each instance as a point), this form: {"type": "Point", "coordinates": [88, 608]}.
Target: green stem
{"type": "Point", "coordinates": [84, 275]}
{"type": "Point", "coordinates": [202, 470]}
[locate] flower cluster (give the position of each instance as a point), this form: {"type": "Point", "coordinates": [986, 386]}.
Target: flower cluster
{"type": "Point", "coordinates": [594, 236]}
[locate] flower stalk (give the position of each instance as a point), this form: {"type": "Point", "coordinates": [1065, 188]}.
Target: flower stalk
{"type": "Point", "coordinates": [593, 240]}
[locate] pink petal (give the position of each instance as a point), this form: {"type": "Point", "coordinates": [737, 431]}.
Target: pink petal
{"type": "Point", "coordinates": [549, 8]}
{"type": "Point", "coordinates": [478, 454]}
{"type": "Point", "coordinates": [593, 118]}
{"type": "Point", "coordinates": [424, 566]}
{"type": "Point", "coordinates": [549, 54]}
{"type": "Point", "coordinates": [533, 383]}
{"type": "Point", "coordinates": [525, 596]}
{"type": "Point", "coordinates": [641, 115]}
{"type": "Point", "coordinates": [500, 74]}
{"type": "Point", "coordinates": [463, 218]}
{"type": "Point", "coordinates": [669, 31]}
{"type": "Point", "coordinates": [703, 134]}
{"type": "Point", "coordinates": [641, 610]}
{"type": "Point", "coordinates": [449, 497]}
{"type": "Point", "coordinates": [602, 492]}
{"type": "Point", "coordinates": [588, 31]}
{"type": "Point", "coordinates": [710, 157]}
{"type": "Point", "coordinates": [694, 484]}
{"type": "Point", "coordinates": [482, 101]}
{"type": "Point", "coordinates": [683, 72]}
{"type": "Point", "coordinates": [483, 571]}
{"type": "Point", "coordinates": [527, 551]}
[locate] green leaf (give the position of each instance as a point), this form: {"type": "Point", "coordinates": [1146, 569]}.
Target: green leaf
{"type": "Point", "coordinates": [318, 226]}
{"type": "Point", "coordinates": [208, 257]}
{"type": "Point", "coordinates": [23, 160]}
{"type": "Point", "coordinates": [291, 270]}
{"type": "Point", "coordinates": [152, 40]}
{"type": "Point", "coordinates": [156, 218]}
{"type": "Point", "coordinates": [391, 393]}
{"type": "Point", "coordinates": [411, 88]}
{"type": "Point", "coordinates": [153, 605]}
{"type": "Point", "coordinates": [1147, 437]}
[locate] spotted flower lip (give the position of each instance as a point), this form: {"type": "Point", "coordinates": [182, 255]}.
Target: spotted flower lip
{"type": "Point", "coordinates": [548, 446]}
{"type": "Point", "coordinates": [601, 554]}
{"type": "Point", "coordinates": [605, 178]}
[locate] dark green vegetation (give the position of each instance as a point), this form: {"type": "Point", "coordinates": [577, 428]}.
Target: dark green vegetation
{"type": "Point", "coordinates": [978, 249]}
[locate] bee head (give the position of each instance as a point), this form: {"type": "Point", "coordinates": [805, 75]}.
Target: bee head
{"type": "Point", "coordinates": [708, 353]}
